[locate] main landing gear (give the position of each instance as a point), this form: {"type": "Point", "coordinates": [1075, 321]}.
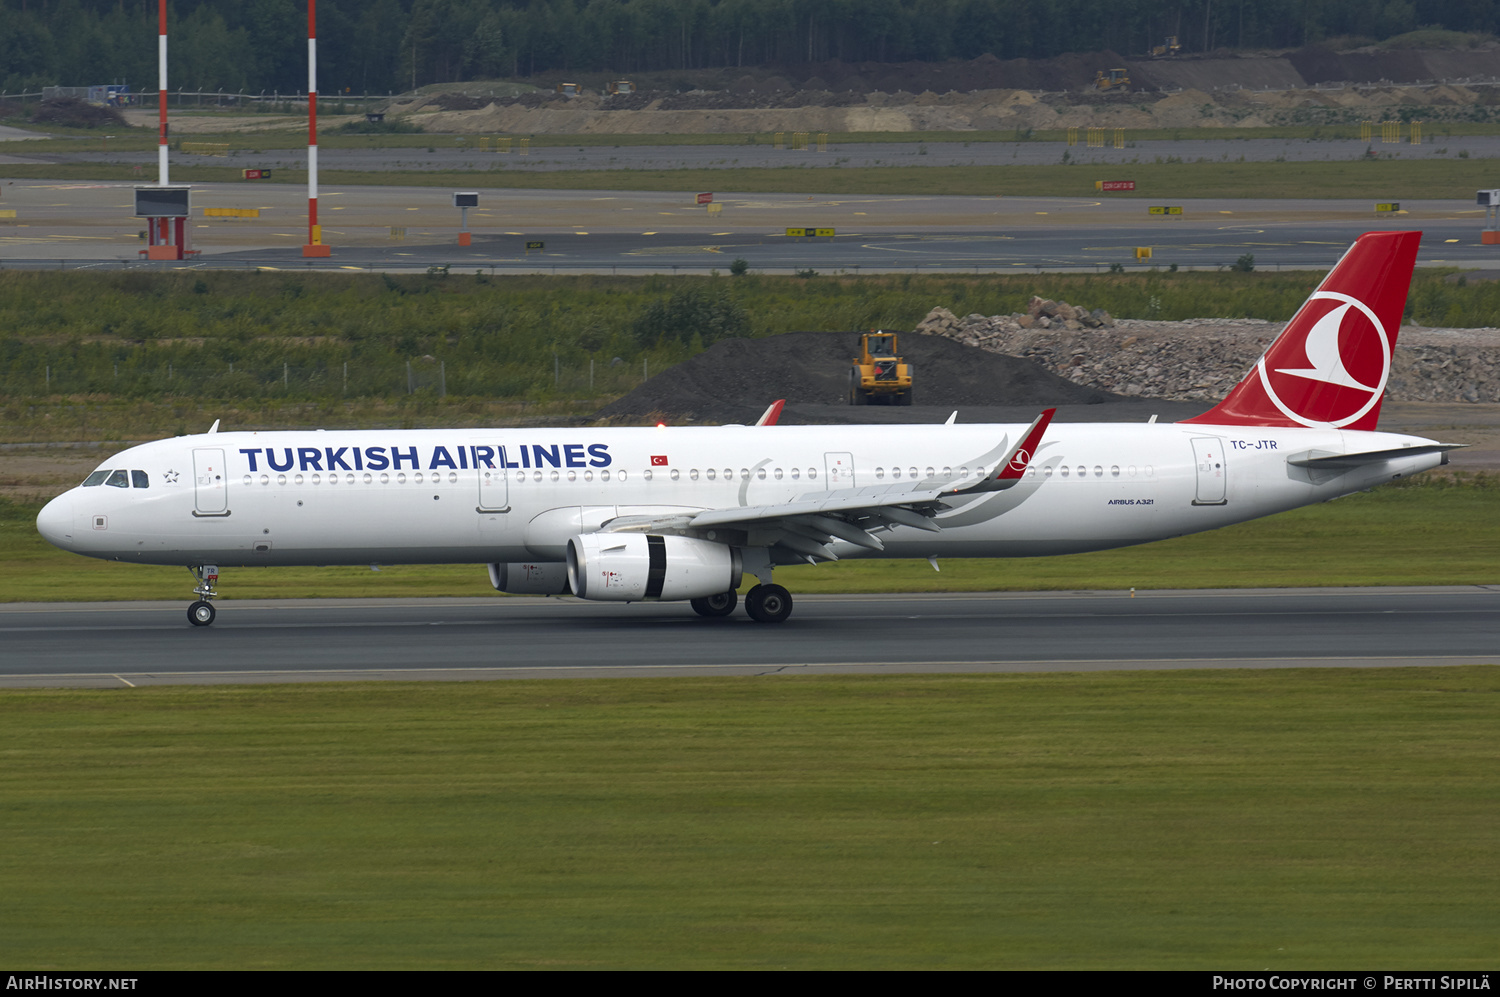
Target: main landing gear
{"type": "Point", "coordinates": [202, 612]}
{"type": "Point", "coordinates": [763, 603]}
{"type": "Point", "coordinates": [768, 603]}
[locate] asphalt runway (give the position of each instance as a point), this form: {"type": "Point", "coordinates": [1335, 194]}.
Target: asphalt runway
{"type": "Point", "coordinates": [91, 225]}
{"type": "Point", "coordinates": [465, 152]}
{"type": "Point", "coordinates": [102, 645]}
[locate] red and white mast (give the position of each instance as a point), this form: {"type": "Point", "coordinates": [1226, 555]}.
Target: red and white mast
{"type": "Point", "coordinates": [161, 86]}
{"type": "Point", "coordinates": [314, 245]}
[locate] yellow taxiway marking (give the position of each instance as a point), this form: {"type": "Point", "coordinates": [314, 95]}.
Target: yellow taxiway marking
{"type": "Point", "coordinates": [346, 266]}
{"type": "Point", "coordinates": [648, 233]}
{"type": "Point", "coordinates": [1450, 240]}
{"type": "Point", "coordinates": [126, 681]}
{"type": "Point", "coordinates": [1041, 212]}
{"type": "Point", "coordinates": [1226, 212]}
{"type": "Point", "coordinates": [515, 233]}
{"type": "Point", "coordinates": [722, 233]}
{"type": "Point", "coordinates": [580, 233]}
{"type": "Point", "coordinates": [861, 212]}
{"type": "Point", "coordinates": [413, 209]}
{"type": "Point", "coordinates": [268, 268]}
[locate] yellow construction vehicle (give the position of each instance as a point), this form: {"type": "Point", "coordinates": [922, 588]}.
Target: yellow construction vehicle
{"type": "Point", "coordinates": [1118, 79]}
{"type": "Point", "coordinates": [620, 86]}
{"type": "Point", "coordinates": [571, 89]}
{"type": "Point", "coordinates": [879, 375]}
{"type": "Point", "coordinates": [1171, 48]}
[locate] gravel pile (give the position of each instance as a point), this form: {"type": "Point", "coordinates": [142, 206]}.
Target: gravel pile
{"type": "Point", "coordinates": [734, 380]}
{"type": "Point", "coordinates": [1201, 359]}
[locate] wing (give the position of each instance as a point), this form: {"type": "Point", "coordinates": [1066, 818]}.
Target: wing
{"type": "Point", "coordinates": [807, 524]}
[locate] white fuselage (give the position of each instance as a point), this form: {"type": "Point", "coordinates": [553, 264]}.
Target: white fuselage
{"type": "Point", "coordinates": [428, 496]}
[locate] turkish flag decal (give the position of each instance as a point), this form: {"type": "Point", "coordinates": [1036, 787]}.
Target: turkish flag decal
{"type": "Point", "coordinates": [659, 460]}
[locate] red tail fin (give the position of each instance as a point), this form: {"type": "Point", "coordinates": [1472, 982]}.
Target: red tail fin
{"type": "Point", "coordinates": [1329, 366]}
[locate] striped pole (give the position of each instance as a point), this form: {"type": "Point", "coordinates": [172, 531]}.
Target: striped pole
{"type": "Point", "coordinates": [314, 245]}
{"type": "Point", "coordinates": [161, 89]}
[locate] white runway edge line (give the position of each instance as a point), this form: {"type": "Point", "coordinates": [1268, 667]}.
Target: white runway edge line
{"type": "Point", "coordinates": [746, 670]}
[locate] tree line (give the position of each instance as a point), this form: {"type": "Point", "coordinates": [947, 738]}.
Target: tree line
{"type": "Point", "coordinates": [394, 45]}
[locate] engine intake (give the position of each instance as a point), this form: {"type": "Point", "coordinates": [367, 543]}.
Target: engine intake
{"type": "Point", "coordinates": [629, 567]}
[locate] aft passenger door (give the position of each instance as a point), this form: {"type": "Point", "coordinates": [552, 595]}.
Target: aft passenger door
{"type": "Point", "coordinates": [1208, 455]}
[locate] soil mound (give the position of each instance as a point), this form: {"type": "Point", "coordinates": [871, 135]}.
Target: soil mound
{"type": "Point", "coordinates": [734, 380]}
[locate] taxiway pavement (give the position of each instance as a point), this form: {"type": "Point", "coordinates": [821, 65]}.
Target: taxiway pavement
{"type": "Point", "coordinates": [413, 228]}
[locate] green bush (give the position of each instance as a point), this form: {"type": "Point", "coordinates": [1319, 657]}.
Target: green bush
{"type": "Point", "coordinates": [705, 311]}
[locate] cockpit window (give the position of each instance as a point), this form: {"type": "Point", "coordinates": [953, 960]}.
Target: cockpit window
{"type": "Point", "coordinates": [139, 479]}
{"type": "Point", "coordinates": [118, 479]}
{"type": "Point", "coordinates": [97, 478]}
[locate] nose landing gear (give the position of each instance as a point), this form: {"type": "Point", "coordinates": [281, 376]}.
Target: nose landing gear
{"type": "Point", "coordinates": [202, 612]}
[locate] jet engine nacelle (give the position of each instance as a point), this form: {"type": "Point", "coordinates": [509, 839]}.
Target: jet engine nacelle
{"type": "Point", "coordinates": [530, 578]}
{"type": "Point", "coordinates": [629, 567]}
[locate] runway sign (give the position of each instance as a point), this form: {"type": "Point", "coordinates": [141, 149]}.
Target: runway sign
{"type": "Point", "coordinates": [1114, 185]}
{"type": "Point", "coordinates": [809, 233]}
{"type": "Point", "coordinates": [706, 197]}
{"type": "Point", "coordinates": [535, 245]}
{"type": "Point", "coordinates": [1388, 206]}
{"type": "Point", "coordinates": [1165, 210]}
{"type": "Point", "coordinates": [256, 174]}
{"type": "Point", "coordinates": [823, 233]}
{"type": "Point", "coordinates": [1143, 252]}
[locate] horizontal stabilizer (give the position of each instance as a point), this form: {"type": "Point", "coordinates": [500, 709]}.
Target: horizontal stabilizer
{"type": "Point", "coordinates": [1341, 460]}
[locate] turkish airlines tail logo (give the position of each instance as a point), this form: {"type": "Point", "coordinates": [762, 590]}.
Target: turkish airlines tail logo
{"type": "Point", "coordinates": [1330, 365]}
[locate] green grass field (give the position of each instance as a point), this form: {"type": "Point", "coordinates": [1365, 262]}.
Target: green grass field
{"type": "Point", "coordinates": [1180, 820]}
{"type": "Point", "coordinates": [1433, 531]}
{"type": "Point", "coordinates": [1381, 179]}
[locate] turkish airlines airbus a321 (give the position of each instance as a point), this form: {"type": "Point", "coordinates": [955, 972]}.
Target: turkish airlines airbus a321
{"type": "Point", "coordinates": [627, 515]}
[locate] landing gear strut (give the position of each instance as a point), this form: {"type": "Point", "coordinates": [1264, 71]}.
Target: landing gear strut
{"type": "Point", "coordinates": [768, 603]}
{"type": "Point", "coordinates": [202, 612]}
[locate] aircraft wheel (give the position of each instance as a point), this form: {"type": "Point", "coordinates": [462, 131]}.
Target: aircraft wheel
{"type": "Point", "coordinates": [716, 605]}
{"type": "Point", "coordinates": [201, 613]}
{"type": "Point", "coordinates": [768, 603]}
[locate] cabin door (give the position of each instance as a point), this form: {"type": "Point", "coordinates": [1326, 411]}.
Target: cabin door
{"type": "Point", "coordinates": [210, 483]}
{"type": "Point", "coordinates": [1208, 454]}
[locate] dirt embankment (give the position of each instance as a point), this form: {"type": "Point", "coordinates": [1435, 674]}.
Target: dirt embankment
{"type": "Point", "coordinates": [734, 380]}
{"type": "Point", "coordinates": [989, 94]}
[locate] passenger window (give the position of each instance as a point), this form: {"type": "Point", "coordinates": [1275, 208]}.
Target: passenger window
{"type": "Point", "coordinates": [118, 479]}
{"type": "Point", "coordinates": [139, 479]}
{"type": "Point", "coordinates": [97, 478]}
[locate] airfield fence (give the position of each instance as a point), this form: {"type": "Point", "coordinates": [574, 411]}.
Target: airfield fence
{"type": "Point", "coordinates": [99, 375]}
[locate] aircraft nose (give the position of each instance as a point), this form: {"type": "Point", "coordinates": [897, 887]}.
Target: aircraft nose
{"type": "Point", "coordinates": [55, 521]}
